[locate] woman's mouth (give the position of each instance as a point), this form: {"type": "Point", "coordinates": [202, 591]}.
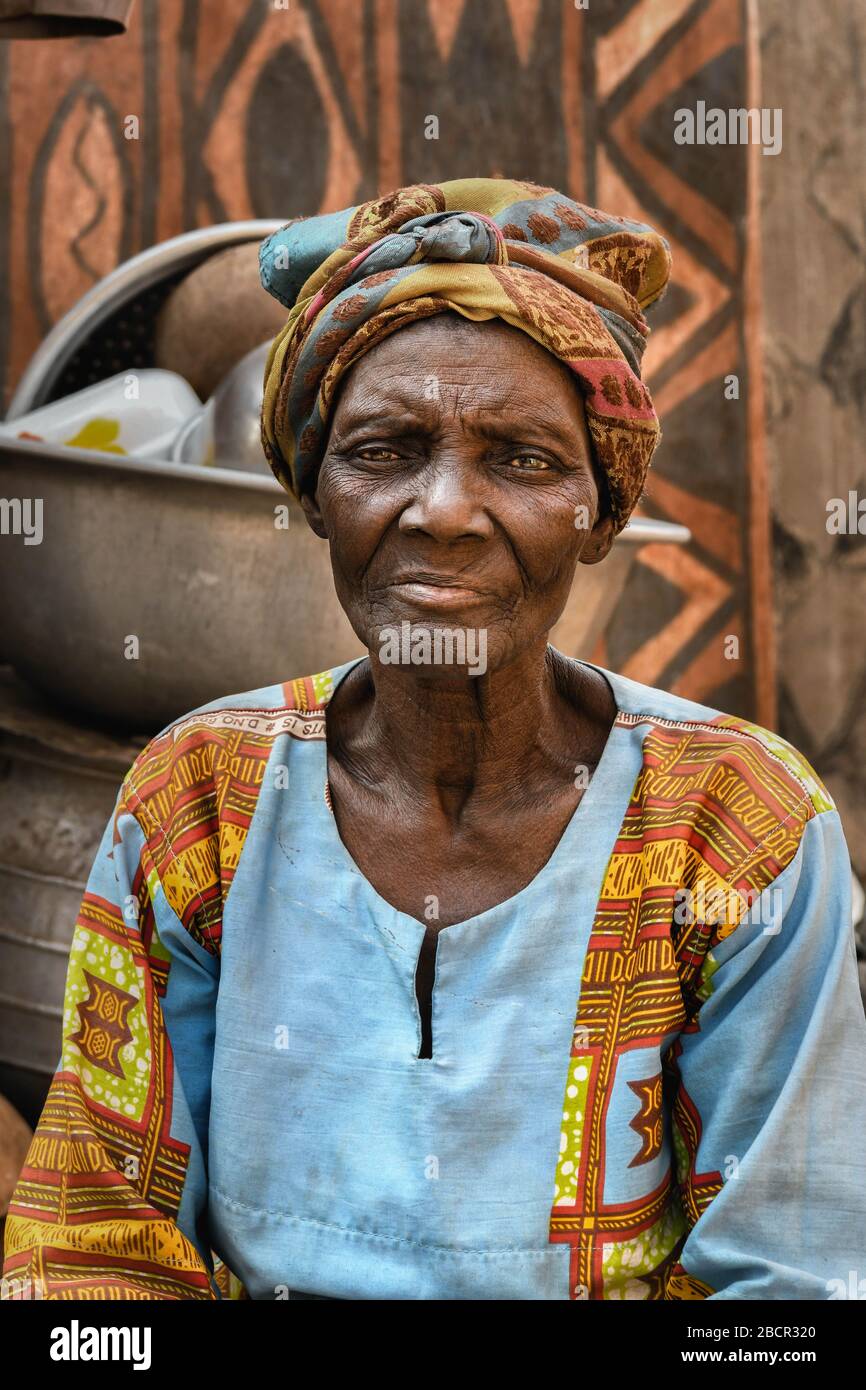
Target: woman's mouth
{"type": "Point", "coordinates": [427, 593]}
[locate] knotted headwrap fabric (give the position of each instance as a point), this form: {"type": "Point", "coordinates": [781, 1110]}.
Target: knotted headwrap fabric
{"type": "Point", "coordinates": [574, 278]}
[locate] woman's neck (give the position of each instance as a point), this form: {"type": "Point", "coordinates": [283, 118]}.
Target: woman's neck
{"type": "Point", "coordinates": [500, 736]}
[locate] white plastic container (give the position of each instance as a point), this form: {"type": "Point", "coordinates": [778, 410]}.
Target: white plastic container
{"type": "Point", "coordinates": [138, 413]}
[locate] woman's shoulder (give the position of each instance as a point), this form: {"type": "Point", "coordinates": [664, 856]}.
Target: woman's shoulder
{"type": "Point", "coordinates": [194, 787]}
{"type": "Point", "coordinates": [708, 735]}
{"type": "Point", "coordinates": [728, 804]}
{"type": "Point", "coordinates": [213, 757]}
{"type": "Point", "coordinates": [249, 718]}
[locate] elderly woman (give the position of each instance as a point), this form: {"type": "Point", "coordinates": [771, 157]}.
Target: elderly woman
{"type": "Point", "coordinates": [465, 970]}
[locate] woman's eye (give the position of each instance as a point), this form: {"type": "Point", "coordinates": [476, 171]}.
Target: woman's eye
{"type": "Point", "coordinates": [376, 453]}
{"type": "Point", "coordinates": [529, 463]}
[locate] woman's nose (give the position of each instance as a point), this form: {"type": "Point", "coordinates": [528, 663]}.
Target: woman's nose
{"type": "Point", "coordinates": [449, 502]}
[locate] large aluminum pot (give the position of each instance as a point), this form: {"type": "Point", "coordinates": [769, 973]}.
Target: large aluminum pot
{"type": "Point", "coordinates": [191, 563]}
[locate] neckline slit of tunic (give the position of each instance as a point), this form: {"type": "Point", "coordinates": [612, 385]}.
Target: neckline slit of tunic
{"type": "Point", "coordinates": [429, 949]}
{"type": "Point", "coordinates": [424, 1011]}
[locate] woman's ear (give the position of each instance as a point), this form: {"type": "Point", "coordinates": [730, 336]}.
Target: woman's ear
{"type": "Point", "coordinates": [599, 540]}
{"type": "Point", "coordinates": [313, 514]}
{"type": "Point", "coordinates": [603, 533]}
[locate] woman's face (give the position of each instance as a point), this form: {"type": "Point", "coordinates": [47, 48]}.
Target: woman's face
{"type": "Point", "coordinates": [457, 489]}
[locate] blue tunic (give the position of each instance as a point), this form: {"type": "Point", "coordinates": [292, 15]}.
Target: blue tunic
{"type": "Point", "coordinates": [626, 1098]}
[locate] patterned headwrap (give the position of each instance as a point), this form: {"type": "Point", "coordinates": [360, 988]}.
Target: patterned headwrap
{"type": "Point", "coordinates": [573, 278]}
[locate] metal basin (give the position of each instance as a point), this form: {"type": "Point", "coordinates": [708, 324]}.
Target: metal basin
{"type": "Point", "coordinates": [127, 299]}
{"type": "Point", "coordinates": [190, 562]}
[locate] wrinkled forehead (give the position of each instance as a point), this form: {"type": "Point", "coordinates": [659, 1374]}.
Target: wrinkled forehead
{"type": "Point", "coordinates": [448, 360]}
